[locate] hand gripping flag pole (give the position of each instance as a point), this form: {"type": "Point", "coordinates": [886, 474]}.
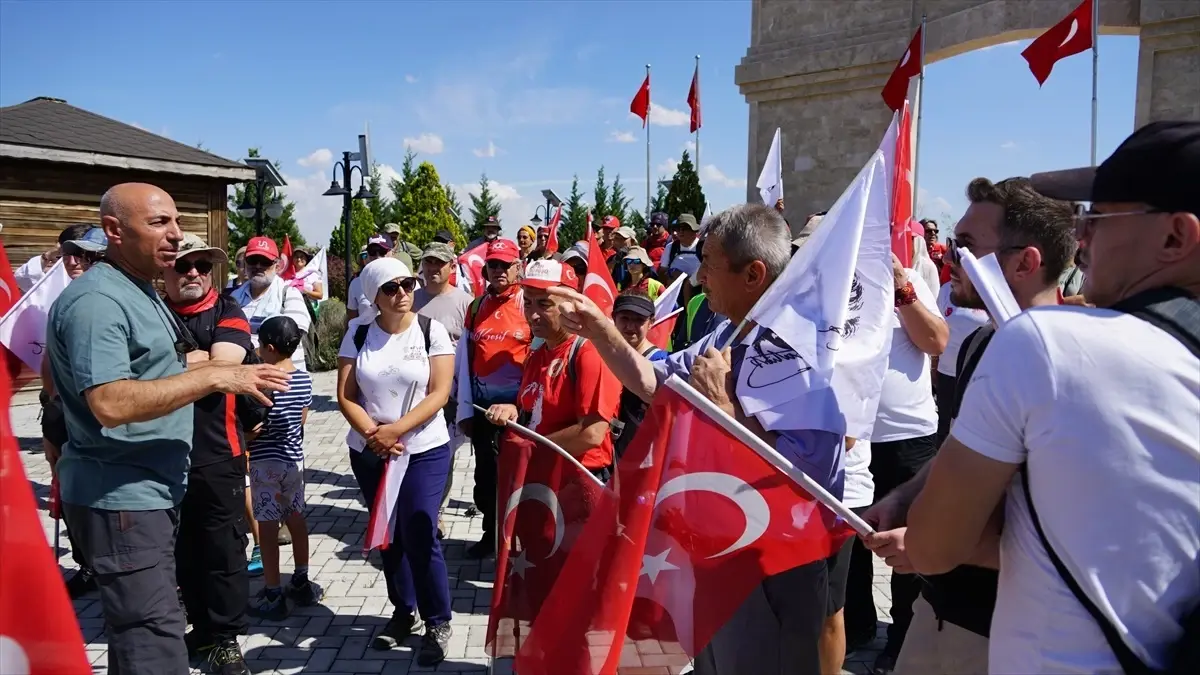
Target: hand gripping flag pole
{"type": "Point", "coordinates": [538, 438]}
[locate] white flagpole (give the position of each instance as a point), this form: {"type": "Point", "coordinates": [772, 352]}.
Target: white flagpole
{"type": "Point", "coordinates": [534, 436]}
{"type": "Point", "coordinates": [649, 105]}
{"type": "Point", "coordinates": [1095, 69]}
{"type": "Point", "coordinates": [916, 151]}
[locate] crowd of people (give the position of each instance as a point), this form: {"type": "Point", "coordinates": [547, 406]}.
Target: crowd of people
{"type": "Point", "coordinates": [174, 424]}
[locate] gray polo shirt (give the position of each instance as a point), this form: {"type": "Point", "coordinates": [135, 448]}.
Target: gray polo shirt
{"type": "Point", "coordinates": [449, 308]}
{"type": "Point", "coordinates": [107, 326]}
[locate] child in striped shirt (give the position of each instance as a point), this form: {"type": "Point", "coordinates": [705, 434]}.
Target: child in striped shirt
{"type": "Point", "coordinates": [277, 474]}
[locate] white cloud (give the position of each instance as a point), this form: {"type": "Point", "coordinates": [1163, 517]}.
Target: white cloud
{"type": "Point", "coordinates": [426, 143]}
{"type": "Point", "coordinates": [316, 214]}
{"type": "Point", "coordinates": [690, 146]}
{"type": "Point", "coordinates": [662, 116]}
{"type": "Point", "coordinates": [668, 167]}
{"type": "Point", "coordinates": [489, 150]}
{"type": "Point", "coordinates": [932, 207]}
{"type": "Point", "coordinates": [710, 174]}
{"type": "Point", "coordinates": [387, 174]}
{"type": "Point", "coordinates": [319, 158]}
{"type": "Point", "coordinates": [1008, 145]}
{"type": "Point", "coordinates": [516, 209]}
{"type": "Point", "coordinates": [411, 79]}
{"type": "Point", "coordinates": [621, 137]}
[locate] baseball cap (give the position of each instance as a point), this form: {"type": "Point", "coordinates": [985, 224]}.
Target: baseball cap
{"type": "Point", "coordinates": [626, 232]}
{"type": "Point", "coordinates": [379, 240]}
{"type": "Point", "coordinates": [659, 218]}
{"type": "Point", "coordinates": [610, 222]}
{"type": "Point", "coordinates": [439, 251]}
{"type": "Point", "coordinates": [1156, 165]}
{"type": "Point", "coordinates": [504, 250]}
{"type": "Point", "coordinates": [548, 273]}
{"type": "Point", "coordinates": [262, 246]}
{"type": "Point", "coordinates": [193, 244]}
{"type": "Point", "coordinates": [689, 220]}
{"type": "Point", "coordinates": [634, 303]}
{"type": "Point", "coordinates": [390, 228]}
{"type": "Point", "coordinates": [94, 241]}
{"type": "Point", "coordinates": [573, 253]}
{"type": "Point", "coordinates": [444, 236]}
{"type": "Point", "coordinates": [492, 221]}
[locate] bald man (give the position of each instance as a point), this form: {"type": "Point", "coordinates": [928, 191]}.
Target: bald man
{"type": "Point", "coordinates": [117, 358]}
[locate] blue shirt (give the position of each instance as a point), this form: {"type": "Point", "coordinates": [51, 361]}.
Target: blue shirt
{"type": "Point", "coordinates": [819, 454]}
{"type": "Point", "coordinates": [282, 435]}
{"type": "Point", "coordinates": [104, 327]}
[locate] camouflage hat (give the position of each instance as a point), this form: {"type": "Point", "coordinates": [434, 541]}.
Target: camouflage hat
{"type": "Point", "coordinates": [438, 251]}
{"type": "Point", "coordinates": [390, 228]}
{"type": "Point", "coordinates": [193, 244]}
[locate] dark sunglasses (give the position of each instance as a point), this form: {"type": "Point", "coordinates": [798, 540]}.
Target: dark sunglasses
{"type": "Point", "coordinates": [183, 266]}
{"type": "Point", "coordinates": [258, 261]}
{"type": "Point", "coordinates": [953, 258]}
{"type": "Point", "coordinates": [498, 265]}
{"type": "Point", "coordinates": [90, 257]}
{"type": "Point", "coordinates": [391, 288]}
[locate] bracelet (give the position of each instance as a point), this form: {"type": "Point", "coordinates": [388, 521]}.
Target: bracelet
{"type": "Point", "coordinates": [906, 295]}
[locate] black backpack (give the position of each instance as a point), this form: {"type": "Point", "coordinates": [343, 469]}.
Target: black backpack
{"type": "Point", "coordinates": [675, 251]}
{"type": "Point", "coordinates": [360, 333]}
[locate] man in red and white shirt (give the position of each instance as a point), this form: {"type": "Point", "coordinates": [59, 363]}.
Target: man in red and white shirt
{"type": "Point", "coordinates": [567, 393]}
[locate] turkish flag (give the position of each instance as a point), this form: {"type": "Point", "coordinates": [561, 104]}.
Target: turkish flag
{"type": "Point", "coordinates": [896, 89]}
{"type": "Point", "coordinates": [543, 502]}
{"type": "Point", "coordinates": [552, 235]}
{"type": "Point", "coordinates": [286, 266]}
{"type": "Point", "coordinates": [10, 292]}
{"type": "Point", "coordinates": [693, 99]}
{"type": "Point", "coordinates": [598, 284]}
{"type": "Point", "coordinates": [640, 105]}
{"type": "Point", "coordinates": [38, 631]}
{"type": "Point", "coordinates": [666, 311]}
{"type": "Point", "coordinates": [902, 189]}
{"type": "Point", "coordinates": [1068, 37]}
{"type": "Point", "coordinates": [695, 521]}
{"type": "Point", "coordinates": [472, 264]}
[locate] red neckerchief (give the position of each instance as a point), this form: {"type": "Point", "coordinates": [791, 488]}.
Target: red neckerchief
{"type": "Point", "coordinates": [203, 304]}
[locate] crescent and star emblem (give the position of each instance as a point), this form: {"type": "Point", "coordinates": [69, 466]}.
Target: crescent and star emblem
{"type": "Point", "coordinates": [7, 291]}
{"type": "Point", "coordinates": [593, 279]}
{"type": "Point", "coordinates": [904, 59]}
{"type": "Point", "coordinates": [540, 493]}
{"type": "Point", "coordinates": [753, 505]}
{"type": "Point", "coordinates": [1074, 30]}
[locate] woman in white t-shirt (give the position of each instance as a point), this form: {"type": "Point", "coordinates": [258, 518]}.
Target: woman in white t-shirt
{"type": "Point", "coordinates": [394, 377]}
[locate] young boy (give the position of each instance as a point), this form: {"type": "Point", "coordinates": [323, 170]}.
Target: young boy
{"type": "Point", "coordinates": [277, 474]}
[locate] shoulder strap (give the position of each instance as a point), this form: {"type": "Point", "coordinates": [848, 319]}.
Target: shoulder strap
{"type": "Point", "coordinates": [1170, 309]}
{"type": "Point", "coordinates": [571, 357]}
{"type": "Point", "coordinates": [360, 336]}
{"type": "Point", "coordinates": [424, 322]}
{"type": "Point", "coordinates": [1130, 663]}
{"type": "Point", "coordinates": [968, 359]}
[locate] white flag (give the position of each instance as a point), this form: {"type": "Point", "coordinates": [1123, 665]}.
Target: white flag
{"type": "Point", "coordinates": [770, 181]}
{"type": "Point", "coordinates": [988, 279]}
{"type": "Point", "coordinates": [319, 265]}
{"type": "Point", "coordinates": [832, 312]}
{"type": "Point", "coordinates": [667, 300]}
{"type": "Point", "coordinates": [23, 328]}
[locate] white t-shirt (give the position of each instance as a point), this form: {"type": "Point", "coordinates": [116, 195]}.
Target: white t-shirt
{"type": "Point", "coordinates": [860, 484]}
{"type": "Point", "coordinates": [293, 306]}
{"type": "Point", "coordinates": [906, 408]}
{"type": "Point", "coordinates": [962, 323]}
{"type": "Point", "coordinates": [1104, 408]}
{"type": "Point", "coordinates": [358, 302]}
{"type": "Point", "coordinates": [386, 368]}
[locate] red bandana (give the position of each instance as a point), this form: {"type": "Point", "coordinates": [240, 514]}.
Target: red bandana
{"type": "Point", "coordinates": [205, 303]}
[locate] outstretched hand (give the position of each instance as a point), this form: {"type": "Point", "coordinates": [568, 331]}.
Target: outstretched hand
{"type": "Point", "coordinates": [578, 313]}
{"type": "Point", "coordinates": [250, 380]}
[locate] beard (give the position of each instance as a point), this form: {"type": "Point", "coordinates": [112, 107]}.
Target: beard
{"type": "Point", "coordinates": [966, 296]}
{"type": "Point", "coordinates": [260, 282]}
{"type": "Point", "coordinates": [191, 293]}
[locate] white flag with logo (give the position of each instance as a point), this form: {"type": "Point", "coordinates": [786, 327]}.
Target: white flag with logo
{"type": "Point", "coordinates": [318, 266]}
{"type": "Point", "coordinates": [23, 328]}
{"type": "Point", "coordinates": [770, 180]}
{"type": "Point", "coordinates": [832, 312]}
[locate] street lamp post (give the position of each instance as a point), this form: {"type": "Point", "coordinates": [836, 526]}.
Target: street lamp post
{"type": "Point", "coordinates": [336, 190]}
{"type": "Point", "coordinates": [266, 178]}
{"type": "Point", "coordinates": [536, 221]}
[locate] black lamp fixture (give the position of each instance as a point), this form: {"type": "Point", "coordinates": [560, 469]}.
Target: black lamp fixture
{"type": "Point", "coordinates": [267, 180]}
{"type": "Point", "coordinates": [349, 163]}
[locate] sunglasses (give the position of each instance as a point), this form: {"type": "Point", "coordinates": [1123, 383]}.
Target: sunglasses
{"type": "Point", "coordinates": [953, 258]}
{"type": "Point", "coordinates": [258, 261]}
{"type": "Point", "coordinates": [391, 288]}
{"type": "Point", "coordinates": [90, 257]}
{"type": "Point", "coordinates": [498, 265]}
{"type": "Point", "coordinates": [183, 266]}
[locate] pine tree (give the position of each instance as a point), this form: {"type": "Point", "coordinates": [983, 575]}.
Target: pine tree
{"type": "Point", "coordinates": [638, 222]}
{"type": "Point", "coordinates": [599, 199]}
{"type": "Point", "coordinates": [408, 172]}
{"type": "Point", "coordinates": [428, 209]}
{"type": "Point", "coordinates": [685, 195]}
{"type": "Point", "coordinates": [379, 205]}
{"type": "Point", "coordinates": [242, 228]}
{"type": "Point", "coordinates": [618, 203]}
{"type": "Point", "coordinates": [455, 205]}
{"type": "Point", "coordinates": [574, 217]}
{"type": "Point", "coordinates": [483, 205]}
{"type": "Point", "coordinates": [362, 226]}
{"type": "Point", "coordinates": [659, 203]}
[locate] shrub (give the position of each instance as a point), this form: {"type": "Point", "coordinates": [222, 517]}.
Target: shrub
{"type": "Point", "coordinates": [327, 335]}
{"type": "Point", "coordinates": [337, 276]}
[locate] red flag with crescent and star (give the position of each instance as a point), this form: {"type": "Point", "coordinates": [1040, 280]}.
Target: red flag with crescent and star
{"type": "Point", "coordinates": [472, 265]}
{"type": "Point", "coordinates": [1066, 38]}
{"type": "Point", "coordinates": [552, 234]}
{"type": "Point", "coordinates": [543, 503]}
{"type": "Point", "coordinates": [896, 89]}
{"type": "Point", "coordinates": [696, 520]}
{"type": "Point", "coordinates": [10, 292]}
{"type": "Point", "coordinates": [598, 284]}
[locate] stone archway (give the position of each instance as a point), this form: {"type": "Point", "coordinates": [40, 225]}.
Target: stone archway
{"type": "Point", "coordinates": [815, 69]}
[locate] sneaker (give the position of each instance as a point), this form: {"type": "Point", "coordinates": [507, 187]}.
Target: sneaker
{"type": "Point", "coordinates": [270, 608]}
{"type": "Point", "coordinates": [285, 537]}
{"type": "Point", "coordinates": [254, 567]}
{"type": "Point", "coordinates": [482, 548]}
{"type": "Point", "coordinates": [434, 644]}
{"type": "Point", "coordinates": [307, 593]}
{"type": "Point", "coordinates": [397, 629]}
{"type": "Point", "coordinates": [81, 584]}
{"type": "Point", "coordinates": [226, 659]}
{"type": "Point", "coordinates": [197, 643]}
{"type": "Point", "coordinates": [884, 664]}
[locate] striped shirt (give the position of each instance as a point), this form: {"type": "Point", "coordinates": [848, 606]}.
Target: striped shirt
{"type": "Point", "coordinates": [282, 437]}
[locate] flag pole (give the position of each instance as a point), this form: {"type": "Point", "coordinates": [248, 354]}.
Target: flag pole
{"type": "Point", "coordinates": [916, 153]}
{"type": "Point", "coordinates": [649, 105]}
{"type": "Point", "coordinates": [534, 436]}
{"type": "Point", "coordinates": [1095, 69]}
{"type": "Point", "coordinates": [698, 130]}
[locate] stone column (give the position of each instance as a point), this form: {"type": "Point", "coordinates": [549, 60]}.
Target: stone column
{"type": "Point", "coordinates": [1168, 81]}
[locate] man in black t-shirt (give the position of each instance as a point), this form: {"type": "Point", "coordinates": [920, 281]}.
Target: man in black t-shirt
{"type": "Point", "coordinates": [211, 547]}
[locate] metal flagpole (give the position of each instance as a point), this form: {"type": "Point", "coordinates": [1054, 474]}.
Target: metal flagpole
{"type": "Point", "coordinates": [648, 107]}
{"type": "Point", "coordinates": [1095, 69]}
{"type": "Point", "coordinates": [916, 151]}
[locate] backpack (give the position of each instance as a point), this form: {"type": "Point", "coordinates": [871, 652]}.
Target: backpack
{"type": "Point", "coordinates": [675, 251]}
{"type": "Point", "coordinates": [360, 333]}
{"type": "Point", "coordinates": [1174, 311]}
{"type": "Point", "coordinates": [630, 416]}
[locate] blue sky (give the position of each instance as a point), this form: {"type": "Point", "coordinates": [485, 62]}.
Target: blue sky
{"type": "Point", "coordinates": [530, 92]}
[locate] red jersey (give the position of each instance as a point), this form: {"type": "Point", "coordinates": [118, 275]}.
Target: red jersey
{"type": "Point", "coordinates": [555, 402]}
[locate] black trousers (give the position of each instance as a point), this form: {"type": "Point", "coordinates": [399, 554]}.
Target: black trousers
{"type": "Point", "coordinates": [211, 549]}
{"type": "Point", "coordinates": [892, 464]}
{"type": "Point", "coordinates": [485, 439]}
{"type": "Point", "coordinates": [946, 387]}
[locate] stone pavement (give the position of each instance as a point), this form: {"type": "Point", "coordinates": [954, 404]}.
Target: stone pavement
{"type": "Point", "coordinates": [334, 637]}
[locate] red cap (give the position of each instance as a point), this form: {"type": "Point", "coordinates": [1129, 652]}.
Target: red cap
{"type": "Point", "coordinates": [262, 246]}
{"type": "Point", "coordinates": [610, 223]}
{"type": "Point", "coordinates": [549, 273]}
{"type": "Point", "coordinates": [504, 250]}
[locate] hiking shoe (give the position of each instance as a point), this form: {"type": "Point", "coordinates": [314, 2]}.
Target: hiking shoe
{"type": "Point", "coordinates": [884, 664]}
{"type": "Point", "coordinates": [226, 659]}
{"type": "Point", "coordinates": [272, 607]}
{"type": "Point", "coordinates": [482, 548]}
{"type": "Point", "coordinates": [434, 644]}
{"type": "Point", "coordinates": [198, 643]}
{"type": "Point", "coordinates": [306, 593]}
{"type": "Point", "coordinates": [397, 629]}
{"type": "Point", "coordinates": [254, 567]}
{"type": "Point", "coordinates": [285, 537]}
{"type": "Point", "coordinates": [81, 584]}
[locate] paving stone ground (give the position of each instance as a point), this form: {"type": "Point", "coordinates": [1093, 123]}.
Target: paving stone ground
{"type": "Point", "coordinates": [334, 638]}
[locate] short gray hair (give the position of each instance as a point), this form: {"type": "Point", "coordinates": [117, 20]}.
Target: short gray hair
{"type": "Point", "coordinates": [750, 232]}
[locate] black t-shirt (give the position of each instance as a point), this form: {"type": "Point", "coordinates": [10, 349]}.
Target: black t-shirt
{"type": "Point", "coordinates": [220, 419]}
{"type": "Point", "coordinates": [966, 595]}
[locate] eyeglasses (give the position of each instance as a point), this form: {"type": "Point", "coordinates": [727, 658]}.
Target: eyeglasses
{"type": "Point", "coordinates": [498, 265]}
{"type": "Point", "coordinates": [953, 258]}
{"type": "Point", "coordinates": [391, 288]}
{"type": "Point", "coordinates": [89, 257]}
{"type": "Point", "coordinates": [183, 266]}
{"type": "Point", "coordinates": [258, 261]}
{"type": "Point", "coordinates": [1084, 219]}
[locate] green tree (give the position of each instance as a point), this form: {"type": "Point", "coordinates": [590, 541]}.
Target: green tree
{"type": "Point", "coordinates": [241, 228]}
{"type": "Point", "coordinates": [379, 204]}
{"type": "Point", "coordinates": [427, 209]}
{"type": "Point", "coordinates": [455, 205]}
{"type": "Point", "coordinates": [618, 203]}
{"type": "Point", "coordinates": [685, 194]}
{"type": "Point", "coordinates": [659, 203]}
{"type": "Point", "coordinates": [483, 205]}
{"type": "Point", "coordinates": [572, 228]}
{"type": "Point", "coordinates": [638, 222]}
{"type": "Point", "coordinates": [408, 172]}
{"type": "Point", "coordinates": [599, 199]}
{"type": "Point", "coordinates": [362, 226]}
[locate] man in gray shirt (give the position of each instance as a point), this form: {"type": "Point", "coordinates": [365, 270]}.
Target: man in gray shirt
{"type": "Point", "coordinates": [117, 361]}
